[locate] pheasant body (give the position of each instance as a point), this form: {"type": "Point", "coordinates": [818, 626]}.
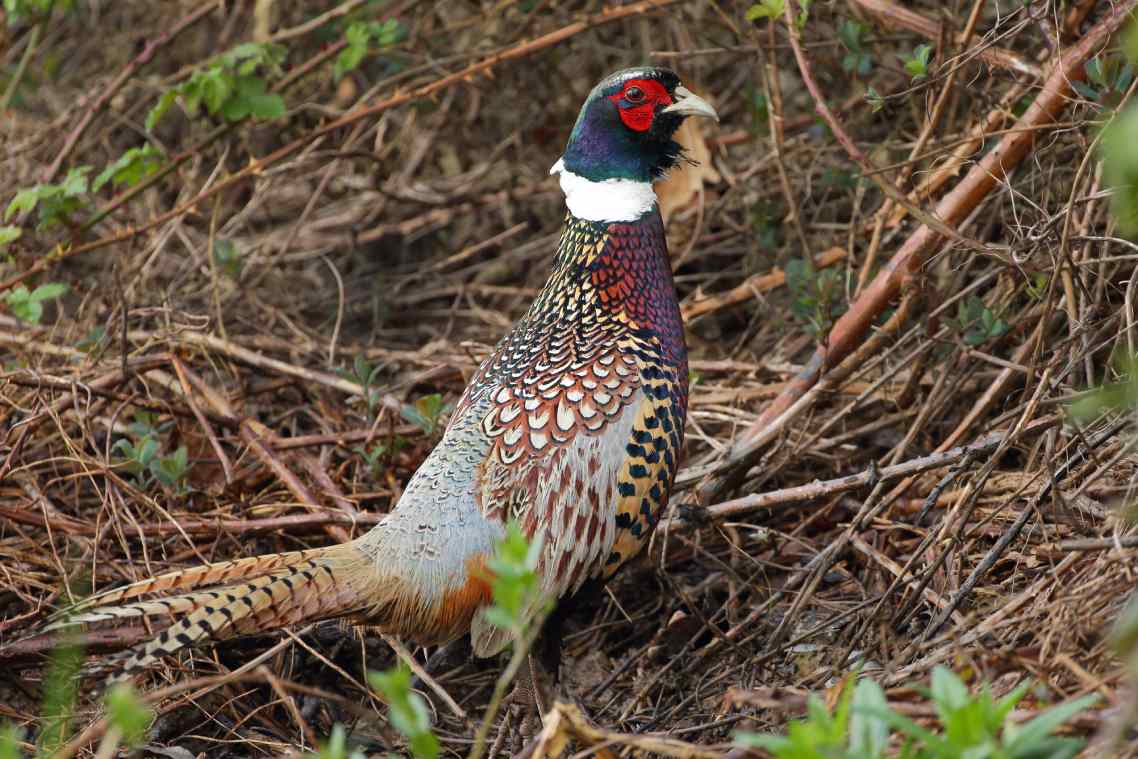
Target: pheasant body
{"type": "Point", "coordinates": [572, 427]}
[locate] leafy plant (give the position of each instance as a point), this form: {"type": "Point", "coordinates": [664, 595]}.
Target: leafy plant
{"type": "Point", "coordinates": [1108, 78]}
{"type": "Point", "coordinates": [364, 375]}
{"type": "Point", "coordinates": [142, 457]}
{"type": "Point", "coordinates": [1120, 395]}
{"type": "Point", "coordinates": [971, 726]}
{"type": "Point", "coordinates": [337, 746]}
{"type": "Point", "coordinates": [760, 112]}
{"type": "Point", "coordinates": [857, 60]}
{"type": "Point", "coordinates": [917, 64]}
{"type": "Point", "coordinates": [426, 412]}
{"type": "Point", "coordinates": [128, 715]}
{"type": "Point", "coordinates": [766, 220]}
{"type": "Point", "coordinates": [359, 36]}
{"type": "Point", "coordinates": [28, 305]}
{"type": "Point", "coordinates": [1120, 168]}
{"type": "Point", "coordinates": [874, 98]}
{"type": "Point", "coordinates": [816, 292]}
{"type": "Point", "coordinates": [171, 470]}
{"type": "Point", "coordinates": [136, 457]}
{"type": "Point", "coordinates": [8, 235]}
{"type": "Point", "coordinates": [131, 168]}
{"type": "Point", "coordinates": [515, 587]}
{"type": "Point", "coordinates": [228, 87]}
{"type": "Point", "coordinates": [54, 203]}
{"type": "Point", "coordinates": [381, 453]}
{"type": "Point", "coordinates": [978, 323]}
{"type": "Point", "coordinates": [407, 710]}
{"type": "Point", "coordinates": [61, 682]}
{"type": "Point", "coordinates": [227, 257]}
{"type": "Point", "coordinates": [17, 10]}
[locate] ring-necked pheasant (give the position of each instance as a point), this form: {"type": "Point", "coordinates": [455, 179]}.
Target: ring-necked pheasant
{"type": "Point", "coordinates": [572, 426]}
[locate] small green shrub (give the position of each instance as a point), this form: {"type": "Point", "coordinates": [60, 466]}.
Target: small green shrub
{"type": "Point", "coordinates": [863, 726]}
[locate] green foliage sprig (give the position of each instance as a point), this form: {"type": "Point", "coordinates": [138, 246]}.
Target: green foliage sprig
{"type": "Point", "coordinates": [863, 726]}
{"type": "Point", "coordinates": [857, 59]}
{"type": "Point", "coordinates": [917, 63]}
{"type": "Point", "coordinates": [360, 36]}
{"type": "Point", "coordinates": [229, 87]}
{"type": "Point", "coordinates": [28, 305]}
{"type": "Point", "coordinates": [817, 294]}
{"type": "Point", "coordinates": [54, 203]}
{"type": "Point", "coordinates": [407, 710]}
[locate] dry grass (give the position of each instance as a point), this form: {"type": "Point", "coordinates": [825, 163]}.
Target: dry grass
{"type": "Point", "coordinates": [413, 238]}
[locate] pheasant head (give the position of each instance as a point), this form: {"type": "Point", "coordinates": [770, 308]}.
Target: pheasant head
{"type": "Point", "coordinates": [622, 142]}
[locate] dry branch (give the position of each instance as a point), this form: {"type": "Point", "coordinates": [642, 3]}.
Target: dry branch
{"type": "Point", "coordinates": [906, 264]}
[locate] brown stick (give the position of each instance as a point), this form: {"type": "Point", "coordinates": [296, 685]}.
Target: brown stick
{"type": "Point", "coordinates": [759, 283]}
{"type": "Point", "coordinates": [892, 14]}
{"type": "Point", "coordinates": [748, 504]}
{"type": "Point", "coordinates": [851, 328]}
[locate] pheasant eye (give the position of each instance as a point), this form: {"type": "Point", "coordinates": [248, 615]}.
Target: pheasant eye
{"type": "Point", "coordinates": [634, 95]}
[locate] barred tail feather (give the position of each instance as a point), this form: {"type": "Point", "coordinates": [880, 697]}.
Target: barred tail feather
{"type": "Point", "coordinates": [307, 591]}
{"type": "Point", "coordinates": [184, 580]}
{"type": "Point", "coordinates": [249, 596]}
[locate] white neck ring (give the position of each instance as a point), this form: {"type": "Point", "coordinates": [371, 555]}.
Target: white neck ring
{"type": "Point", "coordinates": [607, 200]}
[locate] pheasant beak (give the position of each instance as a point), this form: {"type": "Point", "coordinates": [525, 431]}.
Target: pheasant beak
{"type": "Point", "coordinates": [689, 104]}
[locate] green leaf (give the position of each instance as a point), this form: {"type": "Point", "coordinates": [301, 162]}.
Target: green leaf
{"type": "Point", "coordinates": [408, 712]}
{"type": "Point", "coordinates": [10, 737]}
{"type": "Point", "coordinates": [60, 687]}
{"type": "Point", "coordinates": [131, 167]}
{"type": "Point", "coordinates": [159, 109]}
{"type": "Point", "coordinates": [357, 36]}
{"type": "Point", "coordinates": [127, 712]}
{"type": "Point", "coordinates": [49, 291]}
{"type": "Point", "coordinates": [873, 97]}
{"type": "Point", "coordinates": [228, 258]}
{"type": "Point", "coordinates": [1030, 737]}
{"type": "Point", "coordinates": [917, 65]}
{"type": "Point", "coordinates": [869, 734]}
{"type": "Point", "coordinates": [24, 202]}
{"type": "Point", "coordinates": [772, 9]}
{"type": "Point", "coordinates": [1120, 168]}
{"type": "Point", "coordinates": [9, 235]}
{"type": "Point", "coordinates": [249, 98]}
{"type": "Point", "coordinates": [28, 306]}
{"type": "Point", "coordinates": [75, 183]}
{"type": "Point", "coordinates": [948, 691]}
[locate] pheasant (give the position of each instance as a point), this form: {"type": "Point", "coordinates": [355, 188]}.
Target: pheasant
{"type": "Point", "coordinates": [571, 427]}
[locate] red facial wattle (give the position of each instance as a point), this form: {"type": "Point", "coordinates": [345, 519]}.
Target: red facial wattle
{"type": "Point", "coordinates": [637, 102]}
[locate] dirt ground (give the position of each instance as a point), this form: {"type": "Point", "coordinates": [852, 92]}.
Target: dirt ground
{"type": "Point", "coordinates": [985, 528]}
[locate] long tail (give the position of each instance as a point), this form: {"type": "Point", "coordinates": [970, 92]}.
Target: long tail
{"type": "Point", "coordinates": [244, 596]}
